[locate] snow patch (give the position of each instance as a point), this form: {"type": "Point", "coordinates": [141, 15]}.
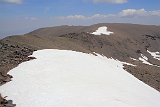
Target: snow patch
{"type": "Point", "coordinates": [61, 78]}
{"type": "Point", "coordinates": [156, 55]}
{"type": "Point", "coordinates": [144, 57]}
{"type": "Point", "coordinates": [128, 64]}
{"type": "Point", "coordinates": [102, 30]}
{"type": "Point", "coordinates": [134, 59]}
{"type": "Point", "coordinates": [144, 60]}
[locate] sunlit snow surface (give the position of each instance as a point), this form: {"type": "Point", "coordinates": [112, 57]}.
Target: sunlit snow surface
{"type": "Point", "coordinates": [134, 59]}
{"type": "Point", "coordinates": [102, 30]}
{"type": "Point", "coordinates": [144, 60]}
{"type": "Point", "coordinates": [155, 55]}
{"type": "Point", "coordinates": [60, 78]}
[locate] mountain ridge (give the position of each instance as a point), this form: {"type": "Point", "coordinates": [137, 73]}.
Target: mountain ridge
{"type": "Point", "coordinates": [128, 42]}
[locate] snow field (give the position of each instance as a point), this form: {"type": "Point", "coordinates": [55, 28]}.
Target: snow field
{"type": "Point", "coordinates": [61, 78]}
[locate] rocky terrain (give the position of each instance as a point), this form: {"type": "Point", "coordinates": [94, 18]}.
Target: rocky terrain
{"type": "Point", "coordinates": [11, 56]}
{"type": "Point", "coordinates": [128, 41]}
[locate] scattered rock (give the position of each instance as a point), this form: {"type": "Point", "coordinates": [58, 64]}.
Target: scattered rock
{"type": "Point", "coordinates": [138, 51]}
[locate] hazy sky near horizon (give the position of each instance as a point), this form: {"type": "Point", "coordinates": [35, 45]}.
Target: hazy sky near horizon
{"type": "Point", "coordinates": [22, 16]}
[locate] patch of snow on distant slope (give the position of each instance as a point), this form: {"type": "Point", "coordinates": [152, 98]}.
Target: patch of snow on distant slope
{"type": "Point", "coordinates": [128, 64]}
{"type": "Point", "coordinates": [134, 59]}
{"type": "Point", "coordinates": [144, 60]}
{"type": "Point", "coordinates": [144, 57]}
{"type": "Point", "coordinates": [156, 55]}
{"type": "Point", "coordinates": [102, 30]}
{"type": "Point", "coordinates": [61, 78]}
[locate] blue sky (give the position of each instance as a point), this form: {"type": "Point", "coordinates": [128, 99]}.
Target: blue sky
{"type": "Point", "coordinates": [21, 16]}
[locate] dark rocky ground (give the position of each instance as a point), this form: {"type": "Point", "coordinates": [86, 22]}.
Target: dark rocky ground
{"type": "Point", "coordinates": [6, 103]}
{"type": "Point", "coordinates": [128, 40]}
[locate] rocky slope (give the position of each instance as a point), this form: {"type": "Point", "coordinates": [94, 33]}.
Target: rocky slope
{"type": "Point", "coordinates": [128, 41]}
